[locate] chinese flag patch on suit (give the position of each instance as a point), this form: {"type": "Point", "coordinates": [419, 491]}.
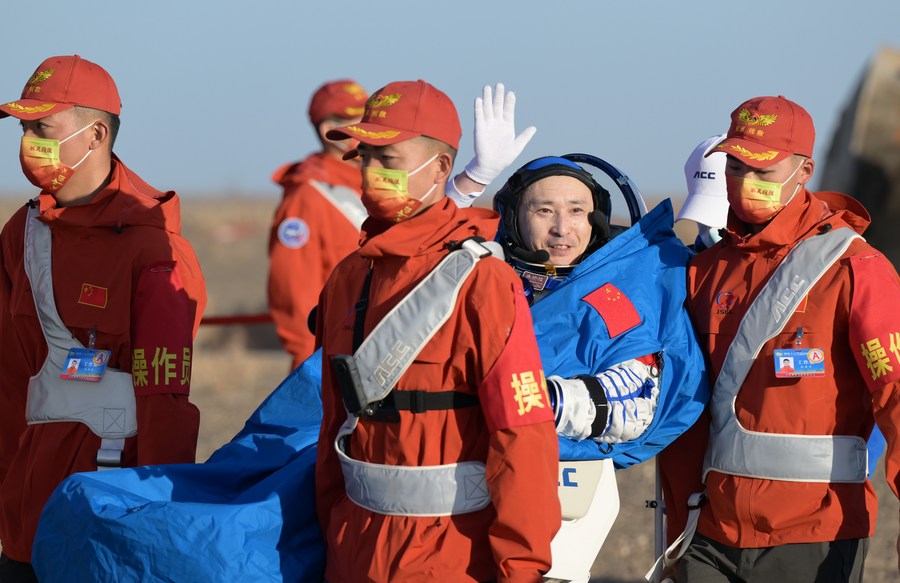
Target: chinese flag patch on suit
{"type": "Point", "coordinates": [615, 308]}
{"type": "Point", "coordinates": [93, 295]}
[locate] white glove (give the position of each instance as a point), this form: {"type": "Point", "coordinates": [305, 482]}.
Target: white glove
{"type": "Point", "coordinates": [632, 394]}
{"type": "Point", "coordinates": [496, 143]}
{"type": "Point", "coordinates": [462, 199]}
{"type": "Point", "coordinates": [574, 410]}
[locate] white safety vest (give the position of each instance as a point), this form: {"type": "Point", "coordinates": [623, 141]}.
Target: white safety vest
{"type": "Point", "coordinates": [344, 199]}
{"type": "Point", "coordinates": [382, 358]}
{"type": "Point", "coordinates": [789, 457]}
{"type": "Point", "coordinates": [107, 407]}
{"type": "Point", "coordinates": [737, 451]}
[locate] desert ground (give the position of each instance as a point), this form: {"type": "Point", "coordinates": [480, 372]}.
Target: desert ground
{"type": "Point", "coordinates": [235, 367]}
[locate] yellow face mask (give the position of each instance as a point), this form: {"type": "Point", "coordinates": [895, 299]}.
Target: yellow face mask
{"type": "Point", "coordinates": [756, 201]}
{"type": "Point", "coordinates": [385, 193]}
{"type": "Point", "coordinates": [41, 164]}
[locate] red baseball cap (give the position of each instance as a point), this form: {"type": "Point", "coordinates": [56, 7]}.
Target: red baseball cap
{"type": "Point", "coordinates": [344, 98]}
{"type": "Point", "coordinates": [60, 83]}
{"type": "Point", "coordinates": [403, 110]}
{"type": "Point", "coordinates": [766, 130]}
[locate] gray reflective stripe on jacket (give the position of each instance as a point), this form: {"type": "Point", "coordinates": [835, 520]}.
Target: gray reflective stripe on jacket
{"type": "Point", "coordinates": [107, 407]}
{"type": "Point", "coordinates": [344, 199]}
{"type": "Point", "coordinates": [412, 490]}
{"type": "Point", "coordinates": [382, 358]}
{"type": "Point", "coordinates": [789, 457]}
{"type": "Point", "coordinates": [389, 350]}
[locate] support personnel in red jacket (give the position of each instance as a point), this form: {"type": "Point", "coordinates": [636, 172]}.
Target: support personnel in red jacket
{"type": "Point", "coordinates": [100, 298]}
{"type": "Point", "coordinates": [474, 395]}
{"type": "Point", "coordinates": [785, 465]}
{"type": "Point", "coordinates": [317, 222]}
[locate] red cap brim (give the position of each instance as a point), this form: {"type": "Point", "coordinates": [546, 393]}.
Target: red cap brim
{"type": "Point", "coordinates": [31, 109]}
{"type": "Point", "coordinates": [750, 153]}
{"type": "Point", "coordinates": [371, 133]}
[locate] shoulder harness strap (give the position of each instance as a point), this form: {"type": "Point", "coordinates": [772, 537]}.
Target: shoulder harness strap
{"type": "Point", "coordinates": [371, 373]}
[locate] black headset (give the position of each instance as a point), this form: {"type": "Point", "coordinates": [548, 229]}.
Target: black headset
{"type": "Point", "coordinates": [506, 201]}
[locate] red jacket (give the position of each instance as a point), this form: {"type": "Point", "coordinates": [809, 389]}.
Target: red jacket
{"type": "Point", "coordinates": [852, 314]}
{"type": "Point", "coordinates": [120, 265]}
{"type": "Point", "coordinates": [299, 266]}
{"type": "Point", "coordinates": [487, 343]}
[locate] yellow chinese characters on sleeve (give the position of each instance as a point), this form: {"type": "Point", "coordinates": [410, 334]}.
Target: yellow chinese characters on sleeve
{"type": "Point", "coordinates": [530, 392]}
{"type": "Point", "coordinates": [877, 358]}
{"type": "Point", "coordinates": [166, 371]}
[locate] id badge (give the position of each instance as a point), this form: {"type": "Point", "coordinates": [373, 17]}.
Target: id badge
{"type": "Point", "coordinates": [85, 364]}
{"type": "Point", "coordinates": [799, 362]}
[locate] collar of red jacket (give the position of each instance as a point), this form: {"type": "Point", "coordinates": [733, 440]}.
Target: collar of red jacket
{"type": "Point", "coordinates": [806, 215]}
{"type": "Point", "coordinates": [427, 231]}
{"type": "Point", "coordinates": [320, 166]}
{"type": "Point", "coordinates": [126, 201]}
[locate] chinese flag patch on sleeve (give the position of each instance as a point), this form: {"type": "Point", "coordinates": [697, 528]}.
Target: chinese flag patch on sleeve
{"type": "Point", "coordinates": [615, 308]}
{"type": "Point", "coordinates": [93, 295]}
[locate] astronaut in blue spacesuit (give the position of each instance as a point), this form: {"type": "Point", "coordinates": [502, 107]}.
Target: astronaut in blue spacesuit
{"type": "Point", "coordinates": [624, 371]}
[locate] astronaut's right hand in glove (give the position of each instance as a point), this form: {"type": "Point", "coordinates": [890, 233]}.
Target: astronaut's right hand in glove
{"type": "Point", "coordinates": [613, 406]}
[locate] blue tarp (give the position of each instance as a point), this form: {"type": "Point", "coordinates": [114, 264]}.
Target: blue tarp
{"type": "Point", "coordinates": [248, 513]}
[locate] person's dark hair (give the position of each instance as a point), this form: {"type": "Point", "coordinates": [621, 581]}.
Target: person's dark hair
{"type": "Point", "coordinates": [86, 114]}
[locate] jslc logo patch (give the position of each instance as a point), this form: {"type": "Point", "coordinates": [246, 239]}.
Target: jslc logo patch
{"type": "Point", "coordinates": [293, 232]}
{"type": "Point", "coordinates": [724, 301]}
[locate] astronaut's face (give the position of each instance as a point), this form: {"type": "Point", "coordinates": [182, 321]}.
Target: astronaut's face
{"type": "Point", "coordinates": [553, 215]}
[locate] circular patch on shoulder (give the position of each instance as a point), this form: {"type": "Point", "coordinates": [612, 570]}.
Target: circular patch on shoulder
{"type": "Point", "coordinates": [293, 232]}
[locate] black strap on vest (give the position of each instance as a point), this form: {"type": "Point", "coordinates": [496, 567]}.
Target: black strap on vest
{"type": "Point", "coordinates": [413, 401]}
{"type": "Point", "coordinates": [360, 309]}
{"type": "Point", "coordinates": [389, 408]}
{"type": "Point", "coordinates": [421, 401]}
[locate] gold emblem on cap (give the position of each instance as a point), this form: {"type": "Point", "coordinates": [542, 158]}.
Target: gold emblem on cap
{"type": "Point", "coordinates": [36, 109]}
{"type": "Point", "coordinates": [41, 76]}
{"type": "Point", "coordinates": [355, 90]}
{"type": "Point", "coordinates": [354, 111]}
{"type": "Point", "coordinates": [379, 101]}
{"type": "Point", "coordinates": [758, 156]}
{"type": "Point", "coordinates": [33, 85]}
{"type": "Point", "coordinates": [387, 134]}
{"type": "Point", "coordinates": [756, 119]}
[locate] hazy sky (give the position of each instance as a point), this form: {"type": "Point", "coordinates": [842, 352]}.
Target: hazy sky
{"type": "Point", "coordinates": [215, 93]}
